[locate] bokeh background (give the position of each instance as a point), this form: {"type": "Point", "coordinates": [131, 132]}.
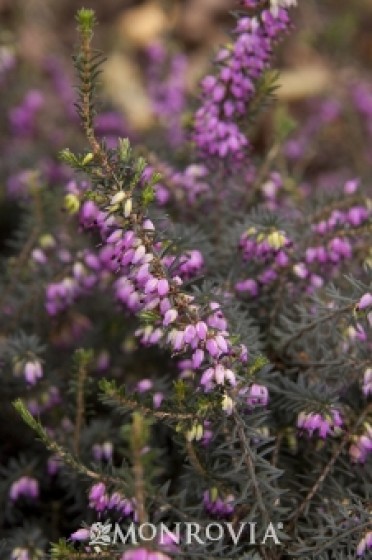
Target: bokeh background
{"type": "Point", "coordinates": [329, 52]}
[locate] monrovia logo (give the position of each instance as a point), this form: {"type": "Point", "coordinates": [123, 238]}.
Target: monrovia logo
{"type": "Point", "coordinates": [99, 534]}
{"type": "Point", "coordinates": [187, 533]}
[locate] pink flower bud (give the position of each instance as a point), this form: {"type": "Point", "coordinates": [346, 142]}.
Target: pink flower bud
{"type": "Point", "coordinates": [207, 377]}
{"type": "Point", "coordinates": [170, 316]}
{"type": "Point", "coordinates": [222, 344]}
{"type": "Point", "coordinates": [158, 399]}
{"type": "Point", "coordinates": [230, 376]}
{"type": "Point", "coordinates": [115, 236]}
{"type": "Point", "coordinates": [139, 254]}
{"type": "Point", "coordinates": [151, 285]}
{"type": "Point", "coordinates": [97, 491]}
{"type": "Point", "coordinates": [190, 333]}
{"type": "Point", "coordinates": [144, 385]}
{"type": "Point", "coordinates": [107, 449]}
{"type": "Point", "coordinates": [364, 302]}
{"type": "Point", "coordinates": [219, 374]}
{"type": "Point", "coordinates": [148, 225]}
{"type": "Point", "coordinates": [212, 347]}
{"type": "Point", "coordinates": [164, 305]}
{"type": "Point", "coordinates": [163, 287]}
{"type": "Point", "coordinates": [178, 340]}
{"type": "Point", "coordinates": [197, 358]}
{"type": "Point", "coordinates": [32, 372]}
{"type": "Point", "coordinates": [201, 330]}
{"type": "Point", "coordinates": [80, 535]}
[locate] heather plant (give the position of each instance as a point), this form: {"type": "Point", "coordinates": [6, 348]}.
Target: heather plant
{"type": "Point", "coordinates": [189, 338]}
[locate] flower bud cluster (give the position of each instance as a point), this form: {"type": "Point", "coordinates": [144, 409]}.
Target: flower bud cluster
{"type": "Point", "coordinates": [102, 451]}
{"type": "Point", "coordinates": [331, 245]}
{"type": "Point", "coordinates": [362, 445]}
{"type": "Point", "coordinates": [147, 287]}
{"type": "Point", "coordinates": [226, 96]}
{"type": "Point", "coordinates": [216, 505]}
{"type": "Point", "coordinates": [177, 185]}
{"type": "Point", "coordinates": [100, 500]}
{"type": "Point", "coordinates": [323, 424]}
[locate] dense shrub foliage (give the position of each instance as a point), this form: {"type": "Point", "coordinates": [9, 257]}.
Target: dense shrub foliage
{"type": "Point", "coordinates": [185, 325]}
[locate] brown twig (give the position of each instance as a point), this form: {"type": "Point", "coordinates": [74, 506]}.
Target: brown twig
{"type": "Point", "coordinates": [133, 405]}
{"type": "Point", "coordinates": [248, 459]}
{"type": "Point", "coordinates": [138, 470]}
{"type": "Point", "coordinates": [80, 406]}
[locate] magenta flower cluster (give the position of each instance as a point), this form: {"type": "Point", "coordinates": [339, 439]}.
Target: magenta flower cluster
{"type": "Point", "coordinates": [101, 501]}
{"type": "Point", "coordinates": [175, 185]}
{"type": "Point", "coordinates": [331, 246]}
{"type": "Point", "coordinates": [144, 285]}
{"type": "Point", "coordinates": [319, 424]}
{"type": "Point", "coordinates": [362, 446]}
{"type": "Point", "coordinates": [217, 506]}
{"type": "Point", "coordinates": [226, 97]}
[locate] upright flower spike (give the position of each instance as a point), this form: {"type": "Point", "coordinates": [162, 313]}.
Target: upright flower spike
{"type": "Point", "coordinates": [226, 97]}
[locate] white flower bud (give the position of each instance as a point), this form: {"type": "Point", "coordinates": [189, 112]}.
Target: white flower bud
{"type": "Point", "coordinates": [128, 207]}
{"type": "Point", "coordinates": [118, 197]}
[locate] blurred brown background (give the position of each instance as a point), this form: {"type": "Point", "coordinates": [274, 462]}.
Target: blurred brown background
{"type": "Point", "coordinates": [331, 42]}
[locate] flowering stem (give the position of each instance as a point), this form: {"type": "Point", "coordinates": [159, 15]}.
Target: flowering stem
{"type": "Point", "coordinates": [130, 404]}
{"type": "Point", "coordinates": [86, 64]}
